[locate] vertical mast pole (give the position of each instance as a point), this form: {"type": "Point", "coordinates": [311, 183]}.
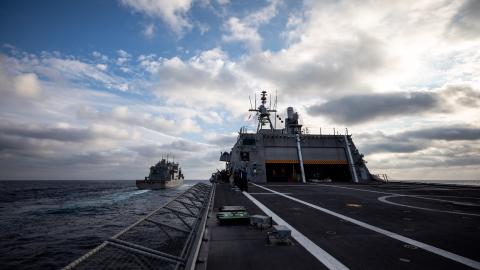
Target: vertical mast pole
{"type": "Point", "coordinates": [352, 165]}
{"type": "Point", "coordinates": [300, 158]}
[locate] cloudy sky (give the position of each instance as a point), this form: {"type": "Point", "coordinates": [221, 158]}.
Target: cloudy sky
{"type": "Point", "coordinates": [101, 89]}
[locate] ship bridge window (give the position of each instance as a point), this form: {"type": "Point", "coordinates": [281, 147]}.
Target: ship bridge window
{"type": "Point", "coordinates": [248, 141]}
{"type": "Point", "coordinates": [245, 156]}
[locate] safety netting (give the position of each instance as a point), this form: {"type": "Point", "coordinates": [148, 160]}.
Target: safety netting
{"type": "Point", "coordinates": [164, 239]}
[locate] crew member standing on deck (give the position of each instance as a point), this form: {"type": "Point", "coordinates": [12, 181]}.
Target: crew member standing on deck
{"type": "Point", "coordinates": [231, 177]}
{"type": "Point", "coordinates": [243, 180]}
{"type": "Point", "coordinates": [236, 178]}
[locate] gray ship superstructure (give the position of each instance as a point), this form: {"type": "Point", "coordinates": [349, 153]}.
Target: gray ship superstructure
{"type": "Point", "coordinates": [164, 174]}
{"type": "Point", "coordinates": [289, 154]}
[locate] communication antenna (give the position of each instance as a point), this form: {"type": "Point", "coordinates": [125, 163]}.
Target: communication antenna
{"type": "Point", "coordinates": [275, 108]}
{"type": "Point", "coordinates": [251, 107]}
{"type": "Point", "coordinates": [262, 112]}
{"type": "Point", "coordinates": [276, 99]}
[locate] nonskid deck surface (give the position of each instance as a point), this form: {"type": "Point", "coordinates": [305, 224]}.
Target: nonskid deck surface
{"type": "Point", "coordinates": [243, 247]}
{"type": "Point", "coordinates": [380, 226]}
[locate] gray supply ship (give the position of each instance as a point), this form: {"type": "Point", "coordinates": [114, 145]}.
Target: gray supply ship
{"type": "Point", "coordinates": [164, 174]}
{"type": "Point", "coordinates": [310, 203]}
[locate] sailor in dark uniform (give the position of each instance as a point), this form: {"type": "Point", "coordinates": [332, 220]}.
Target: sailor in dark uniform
{"type": "Point", "coordinates": [243, 180]}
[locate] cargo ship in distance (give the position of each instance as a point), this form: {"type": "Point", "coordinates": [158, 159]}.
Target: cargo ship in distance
{"type": "Point", "coordinates": [164, 174]}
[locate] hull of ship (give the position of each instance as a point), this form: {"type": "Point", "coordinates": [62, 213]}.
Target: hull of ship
{"type": "Point", "coordinates": [142, 184]}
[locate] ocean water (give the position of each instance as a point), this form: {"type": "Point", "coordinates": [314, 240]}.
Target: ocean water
{"type": "Point", "coordinates": [48, 224]}
{"type": "Point", "coordinates": [445, 182]}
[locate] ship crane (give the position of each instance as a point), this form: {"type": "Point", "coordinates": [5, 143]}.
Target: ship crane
{"type": "Point", "coordinates": [263, 113]}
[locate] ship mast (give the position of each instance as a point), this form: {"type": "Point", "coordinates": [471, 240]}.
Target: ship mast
{"type": "Point", "coordinates": [263, 113]}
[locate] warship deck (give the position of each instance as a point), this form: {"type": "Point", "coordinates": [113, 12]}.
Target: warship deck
{"type": "Point", "coordinates": [351, 226]}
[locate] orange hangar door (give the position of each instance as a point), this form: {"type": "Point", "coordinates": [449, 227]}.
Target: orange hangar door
{"type": "Point", "coordinates": [326, 164]}
{"type": "Point", "coordinates": [283, 170]}
{"type": "Point", "coordinates": [281, 163]}
{"type": "Point", "coordinates": [327, 170]}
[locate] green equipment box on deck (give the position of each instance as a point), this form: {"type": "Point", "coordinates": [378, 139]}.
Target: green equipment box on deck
{"type": "Point", "coordinates": [233, 215]}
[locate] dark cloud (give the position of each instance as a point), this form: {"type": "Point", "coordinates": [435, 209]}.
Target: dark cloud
{"type": "Point", "coordinates": [363, 108]}
{"type": "Point", "coordinates": [179, 148]}
{"type": "Point", "coordinates": [356, 109]}
{"type": "Point", "coordinates": [462, 94]}
{"type": "Point", "coordinates": [444, 133]}
{"type": "Point", "coordinates": [393, 147]}
{"type": "Point", "coordinates": [416, 140]}
{"type": "Point", "coordinates": [12, 143]}
{"type": "Point", "coordinates": [21, 150]}
{"type": "Point", "coordinates": [450, 156]}
{"type": "Point", "coordinates": [147, 150]}
{"type": "Point", "coordinates": [49, 150]}
{"type": "Point", "coordinates": [223, 140]}
{"type": "Point", "coordinates": [466, 22]}
{"type": "Point", "coordinates": [79, 165]}
{"type": "Point", "coordinates": [464, 160]}
{"type": "Point", "coordinates": [183, 145]}
{"type": "Point", "coordinates": [46, 132]}
{"type": "Point", "coordinates": [60, 159]}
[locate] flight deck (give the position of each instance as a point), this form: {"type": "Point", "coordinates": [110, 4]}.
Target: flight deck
{"type": "Point", "coordinates": [350, 226]}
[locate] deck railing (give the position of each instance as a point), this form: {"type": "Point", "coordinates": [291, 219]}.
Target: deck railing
{"type": "Point", "coordinates": [167, 238]}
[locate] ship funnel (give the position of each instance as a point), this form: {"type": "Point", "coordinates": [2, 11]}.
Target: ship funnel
{"type": "Point", "coordinates": [290, 112]}
{"type": "Point", "coordinates": [291, 123]}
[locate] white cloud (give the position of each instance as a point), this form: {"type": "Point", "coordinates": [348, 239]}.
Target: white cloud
{"type": "Point", "coordinates": [61, 69]}
{"type": "Point", "coordinates": [173, 13]}
{"type": "Point", "coordinates": [123, 57]}
{"type": "Point", "coordinates": [245, 30]}
{"type": "Point", "coordinates": [100, 56]}
{"type": "Point", "coordinates": [203, 27]}
{"type": "Point", "coordinates": [120, 112]}
{"type": "Point", "coordinates": [242, 32]}
{"type": "Point", "coordinates": [149, 31]}
{"type": "Point", "coordinates": [123, 54]}
{"type": "Point", "coordinates": [110, 131]}
{"type": "Point", "coordinates": [102, 67]}
{"type": "Point", "coordinates": [205, 81]}
{"type": "Point", "coordinates": [27, 85]}
{"type": "Point", "coordinates": [150, 63]}
{"type": "Point", "coordinates": [223, 2]}
{"type": "Point", "coordinates": [379, 48]}
{"type": "Point", "coordinates": [157, 120]}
